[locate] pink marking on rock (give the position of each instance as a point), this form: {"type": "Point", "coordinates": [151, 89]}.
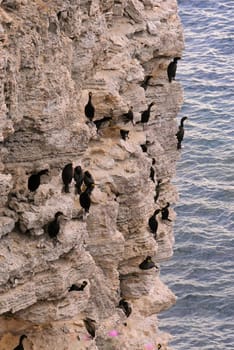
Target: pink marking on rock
{"type": "Point", "coordinates": [113, 333]}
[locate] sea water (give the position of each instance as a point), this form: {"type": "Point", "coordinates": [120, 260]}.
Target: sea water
{"type": "Point", "coordinates": [201, 272]}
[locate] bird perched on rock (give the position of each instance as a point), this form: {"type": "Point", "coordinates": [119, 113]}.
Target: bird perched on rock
{"type": "Point", "coordinates": [85, 200]}
{"type": "Point", "coordinates": [159, 346]}
{"type": "Point", "coordinates": [171, 69]}
{"type": "Point", "coordinates": [145, 83]}
{"type": "Point", "coordinates": [147, 264]}
{"type": "Point", "coordinates": [89, 180]}
{"type": "Point", "coordinates": [157, 190]}
{"type": "Point", "coordinates": [67, 175]}
{"type": "Point", "coordinates": [145, 115]}
{"type": "Point", "coordinates": [78, 177]}
{"type": "Point", "coordinates": [152, 171]}
{"type": "Point", "coordinates": [153, 224]}
{"type": "Point", "coordinates": [89, 108]}
{"type": "Point", "coordinates": [100, 122]}
{"type": "Point", "coordinates": [124, 305]}
{"type": "Point", "coordinates": [34, 180]}
{"type": "Point", "coordinates": [180, 132]}
{"type": "Point", "coordinates": [75, 287]}
{"type": "Point", "coordinates": [53, 226]}
{"type": "Point", "coordinates": [20, 346]}
{"type": "Point", "coordinates": [128, 117]}
{"type": "Point", "coordinates": [124, 134]}
{"type": "Point", "coordinates": [165, 212]}
{"type": "Point", "coordinates": [90, 326]}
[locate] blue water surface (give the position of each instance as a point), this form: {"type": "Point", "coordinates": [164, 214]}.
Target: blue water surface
{"type": "Point", "coordinates": [201, 272]}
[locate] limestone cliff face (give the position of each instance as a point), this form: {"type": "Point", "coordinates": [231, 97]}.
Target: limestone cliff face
{"type": "Point", "coordinates": [52, 54]}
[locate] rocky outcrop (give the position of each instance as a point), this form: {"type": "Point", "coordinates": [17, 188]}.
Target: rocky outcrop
{"type": "Point", "coordinates": [52, 54]}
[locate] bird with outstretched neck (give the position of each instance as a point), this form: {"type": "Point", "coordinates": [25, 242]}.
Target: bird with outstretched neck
{"type": "Point", "coordinates": [20, 346]}
{"type": "Point", "coordinates": [165, 212]}
{"type": "Point", "coordinates": [171, 69]}
{"type": "Point", "coordinates": [145, 115]}
{"type": "Point", "coordinates": [180, 132]}
{"type": "Point", "coordinates": [89, 108]}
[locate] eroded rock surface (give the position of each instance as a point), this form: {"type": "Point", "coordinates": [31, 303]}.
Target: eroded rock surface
{"type": "Point", "coordinates": [52, 54]}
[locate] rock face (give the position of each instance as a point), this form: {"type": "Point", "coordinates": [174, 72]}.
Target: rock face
{"type": "Point", "coordinates": [52, 54]}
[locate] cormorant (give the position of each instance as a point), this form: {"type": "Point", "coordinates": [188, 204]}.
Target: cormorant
{"type": "Point", "coordinates": [75, 287]}
{"type": "Point", "coordinates": [145, 145]}
{"type": "Point", "coordinates": [124, 134]}
{"type": "Point", "coordinates": [78, 177]}
{"type": "Point", "coordinates": [34, 180]}
{"type": "Point", "coordinates": [99, 122]}
{"type": "Point", "coordinates": [180, 132]}
{"type": "Point", "coordinates": [153, 224]}
{"type": "Point", "coordinates": [90, 326]}
{"type": "Point", "coordinates": [54, 226]}
{"type": "Point", "coordinates": [171, 69]}
{"type": "Point", "coordinates": [20, 346]}
{"type": "Point", "coordinates": [144, 84]}
{"type": "Point", "coordinates": [145, 115]}
{"type": "Point", "coordinates": [89, 108]}
{"type": "Point", "coordinates": [165, 212]}
{"type": "Point", "coordinates": [67, 175]}
{"type": "Point", "coordinates": [85, 200]}
{"type": "Point", "coordinates": [157, 190]}
{"type": "Point", "coordinates": [124, 305]}
{"type": "Point", "coordinates": [128, 117]}
{"type": "Point", "coordinates": [152, 171]}
{"type": "Point", "coordinates": [159, 346]}
{"type": "Point", "coordinates": [89, 180]}
{"type": "Point", "coordinates": [147, 264]}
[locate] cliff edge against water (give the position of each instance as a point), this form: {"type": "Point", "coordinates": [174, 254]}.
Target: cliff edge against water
{"type": "Point", "coordinates": [52, 54]}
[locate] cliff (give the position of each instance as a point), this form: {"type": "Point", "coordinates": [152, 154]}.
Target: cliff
{"type": "Point", "coordinates": [53, 53]}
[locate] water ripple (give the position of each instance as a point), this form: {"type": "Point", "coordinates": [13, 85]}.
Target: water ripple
{"type": "Point", "coordinates": [201, 271]}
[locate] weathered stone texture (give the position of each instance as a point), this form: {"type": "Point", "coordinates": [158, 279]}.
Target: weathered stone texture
{"type": "Point", "coordinates": [52, 54]}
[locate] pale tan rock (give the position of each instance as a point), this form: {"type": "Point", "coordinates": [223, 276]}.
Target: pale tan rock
{"type": "Point", "coordinates": [52, 55]}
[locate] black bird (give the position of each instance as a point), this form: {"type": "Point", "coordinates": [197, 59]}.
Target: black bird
{"type": "Point", "coordinates": [67, 175]}
{"type": "Point", "coordinates": [145, 145]}
{"type": "Point", "coordinates": [90, 326]}
{"type": "Point", "coordinates": [145, 83]}
{"type": "Point", "coordinates": [89, 180]}
{"type": "Point", "coordinates": [145, 115]}
{"type": "Point", "coordinates": [99, 122]}
{"type": "Point", "coordinates": [78, 177]}
{"type": "Point", "coordinates": [152, 171]}
{"type": "Point", "coordinates": [171, 69]}
{"type": "Point", "coordinates": [75, 287]}
{"type": "Point", "coordinates": [128, 117]}
{"type": "Point", "coordinates": [153, 224]}
{"type": "Point", "coordinates": [34, 180]}
{"type": "Point", "coordinates": [159, 346]}
{"type": "Point", "coordinates": [124, 305]}
{"type": "Point", "coordinates": [54, 225]}
{"type": "Point", "coordinates": [157, 190]}
{"type": "Point", "coordinates": [124, 134]}
{"type": "Point", "coordinates": [180, 132]}
{"type": "Point", "coordinates": [147, 264]}
{"type": "Point", "coordinates": [89, 108]}
{"type": "Point", "coordinates": [85, 200]}
{"type": "Point", "coordinates": [20, 346]}
{"type": "Point", "coordinates": [165, 212]}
